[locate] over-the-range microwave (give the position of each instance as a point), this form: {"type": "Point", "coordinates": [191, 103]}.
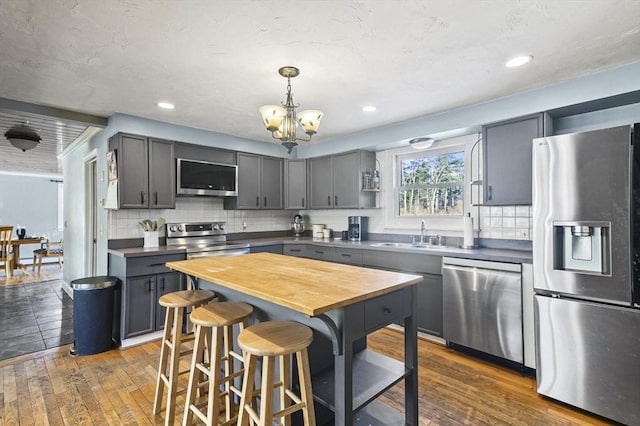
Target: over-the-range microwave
{"type": "Point", "coordinates": [206, 178]}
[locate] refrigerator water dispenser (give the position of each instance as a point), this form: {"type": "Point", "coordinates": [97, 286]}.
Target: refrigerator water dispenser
{"type": "Point", "coordinates": [582, 247]}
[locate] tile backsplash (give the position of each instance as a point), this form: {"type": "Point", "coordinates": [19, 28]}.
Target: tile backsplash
{"type": "Point", "coordinates": [124, 223]}
{"type": "Point", "coordinates": [506, 222]}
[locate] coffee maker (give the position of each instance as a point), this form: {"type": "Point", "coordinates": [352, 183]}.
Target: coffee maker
{"type": "Point", "coordinates": [358, 228]}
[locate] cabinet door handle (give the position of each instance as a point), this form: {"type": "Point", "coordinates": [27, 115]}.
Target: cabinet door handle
{"type": "Point", "coordinates": [155, 195]}
{"type": "Point", "coordinates": [257, 201]}
{"type": "Point", "coordinates": [336, 203]}
{"type": "Point", "coordinates": [328, 200]}
{"type": "Point", "coordinates": [265, 201]}
{"type": "Point", "coordinates": [345, 255]}
{"type": "Point", "coordinates": [302, 202]}
{"type": "Point", "coordinates": [141, 197]}
{"type": "Point", "coordinates": [162, 288]}
{"type": "Point", "coordinates": [386, 310]}
{"type": "Point", "coordinates": [149, 286]}
{"type": "Point", "coordinates": [319, 252]}
{"type": "Point", "coordinates": [489, 195]}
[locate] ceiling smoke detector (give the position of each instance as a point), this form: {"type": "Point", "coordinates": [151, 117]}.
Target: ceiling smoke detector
{"type": "Point", "coordinates": [23, 137]}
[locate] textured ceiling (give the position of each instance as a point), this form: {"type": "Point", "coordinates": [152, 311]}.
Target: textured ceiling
{"type": "Point", "coordinates": [218, 60]}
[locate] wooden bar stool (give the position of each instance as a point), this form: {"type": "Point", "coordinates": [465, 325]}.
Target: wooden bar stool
{"type": "Point", "coordinates": [170, 352]}
{"type": "Point", "coordinates": [214, 332]}
{"type": "Point", "coordinates": [269, 340]}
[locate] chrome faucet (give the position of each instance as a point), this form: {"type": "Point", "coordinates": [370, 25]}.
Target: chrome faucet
{"type": "Point", "coordinates": [422, 230]}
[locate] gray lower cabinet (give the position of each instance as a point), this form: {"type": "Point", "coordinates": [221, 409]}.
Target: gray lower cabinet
{"type": "Point", "coordinates": [139, 308]}
{"type": "Point", "coordinates": [298, 250]}
{"type": "Point", "coordinates": [272, 248]}
{"type": "Point", "coordinates": [165, 283]}
{"type": "Point", "coordinates": [146, 171]}
{"type": "Point", "coordinates": [319, 252]}
{"type": "Point", "coordinates": [260, 183]}
{"type": "Point", "coordinates": [348, 256]}
{"type": "Point", "coordinates": [145, 279]}
{"type": "Point", "coordinates": [430, 313]}
{"type": "Point", "coordinates": [429, 316]}
{"type": "Point", "coordinates": [295, 184]}
{"type": "Point", "coordinates": [143, 313]}
{"type": "Point", "coordinates": [508, 150]}
{"type": "Point", "coordinates": [336, 181]}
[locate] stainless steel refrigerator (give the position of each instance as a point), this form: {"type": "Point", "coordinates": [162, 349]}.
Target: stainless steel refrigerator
{"type": "Point", "coordinates": [585, 261]}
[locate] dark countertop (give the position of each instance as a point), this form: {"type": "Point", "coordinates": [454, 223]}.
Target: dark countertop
{"type": "Point", "coordinates": [142, 251]}
{"type": "Point", "coordinates": [490, 254]}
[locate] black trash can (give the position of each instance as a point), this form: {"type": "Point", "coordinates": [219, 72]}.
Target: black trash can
{"type": "Point", "coordinates": [93, 299]}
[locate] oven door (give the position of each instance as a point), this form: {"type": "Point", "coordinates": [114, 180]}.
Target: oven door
{"type": "Point", "coordinates": [188, 326]}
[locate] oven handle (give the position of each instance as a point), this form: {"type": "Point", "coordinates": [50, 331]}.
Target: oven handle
{"type": "Point", "coordinates": [218, 253]}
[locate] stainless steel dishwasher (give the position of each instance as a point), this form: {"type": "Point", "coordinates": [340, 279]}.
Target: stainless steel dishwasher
{"type": "Point", "coordinates": [483, 306]}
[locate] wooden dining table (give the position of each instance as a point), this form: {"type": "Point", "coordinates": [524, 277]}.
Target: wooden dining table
{"type": "Point", "coordinates": [16, 251]}
{"type": "Point", "coordinates": [342, 304]}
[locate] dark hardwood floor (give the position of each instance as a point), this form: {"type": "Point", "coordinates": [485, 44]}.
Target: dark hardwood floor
{"type": "Point", "coordinates": [117, 387]}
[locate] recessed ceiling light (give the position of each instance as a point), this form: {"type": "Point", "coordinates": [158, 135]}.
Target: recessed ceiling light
{"type": "Point", "coordinates": [166, 105]}
{"type": "Point", "coordinates": [518, 61]}
{"type": "Point", "coordinates": [368, 108]}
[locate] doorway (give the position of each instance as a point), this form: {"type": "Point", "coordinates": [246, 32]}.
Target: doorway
{"type": "Point", "coordinates": [91, 243]}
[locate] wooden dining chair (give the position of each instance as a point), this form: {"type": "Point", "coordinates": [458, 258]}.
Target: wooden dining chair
{"type": "Point", "coordinates": [48, 249]}
{"type": "Point", "coordinates": [6, 258]}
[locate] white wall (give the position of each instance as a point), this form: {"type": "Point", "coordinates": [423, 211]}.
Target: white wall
{"type": "Point", "coordinates": [31, 202]}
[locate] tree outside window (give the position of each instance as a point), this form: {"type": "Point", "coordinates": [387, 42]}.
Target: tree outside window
{"type": "Point", "coordinates": [432, 185]}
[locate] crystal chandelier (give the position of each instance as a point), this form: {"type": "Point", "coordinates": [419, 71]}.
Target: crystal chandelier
{"type": "Point", "coordinates": [282, 121]}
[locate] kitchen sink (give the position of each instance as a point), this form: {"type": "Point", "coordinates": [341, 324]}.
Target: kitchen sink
{"type": "Point", "coordinates": [416, 246]}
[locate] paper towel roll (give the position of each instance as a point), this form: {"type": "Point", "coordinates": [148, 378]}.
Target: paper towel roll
{"type": "Point", "coordinates": [468, 230]}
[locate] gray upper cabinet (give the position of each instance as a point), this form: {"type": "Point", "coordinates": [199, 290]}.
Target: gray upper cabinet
{"type": "Point", "coordinates": [507, 159]}
{"type": "Point", "coordinates": [336, 181]}
{"type": "Point", "coordinates": [205, 153]}
{"type": "Point", "coordinates": [260, 182]}
{"type": "Point", "coordinates": [295, 184]}
{"type": "Point", "coordinates": [162, 174]}
{"type": "Point", "coordinates": [272, 180]}
{"type": "Point", "coordinates": [146, 172]}
{"type": "Point", "coordinates": [321, 183]}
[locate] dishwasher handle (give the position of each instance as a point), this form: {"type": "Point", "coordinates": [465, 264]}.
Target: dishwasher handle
{"type": "Point", "coordinates": [454, 263]}
{"type": "Point", "coordinates": [477, 270]}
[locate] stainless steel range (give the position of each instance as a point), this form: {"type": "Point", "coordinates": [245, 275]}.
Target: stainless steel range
{"type": "Point", "coordinates": [203, 239]}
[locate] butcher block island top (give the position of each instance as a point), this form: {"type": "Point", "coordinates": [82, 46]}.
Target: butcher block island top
{"type": "Point", "coordinates": [311, 287]}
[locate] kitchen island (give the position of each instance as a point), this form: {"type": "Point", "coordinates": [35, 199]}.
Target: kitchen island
{"type": "Point", "coordinates": [342, 304]}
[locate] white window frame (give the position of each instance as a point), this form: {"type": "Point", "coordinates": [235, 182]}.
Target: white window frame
{"type": "Point", "coordinates": [436, 224]}
{"type": "Point", "coordinates": [423, 154]}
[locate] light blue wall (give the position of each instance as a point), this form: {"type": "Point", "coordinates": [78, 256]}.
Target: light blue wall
{"type": "Point", "coordinates": [17, 207]}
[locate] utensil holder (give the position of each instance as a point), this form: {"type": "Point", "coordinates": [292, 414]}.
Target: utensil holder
{"type": "Point", "coordinates": [151, 238]}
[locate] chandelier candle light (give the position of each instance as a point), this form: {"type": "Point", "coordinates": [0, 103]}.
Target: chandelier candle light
{"type": "Point", "coordinates": [282, 121]}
